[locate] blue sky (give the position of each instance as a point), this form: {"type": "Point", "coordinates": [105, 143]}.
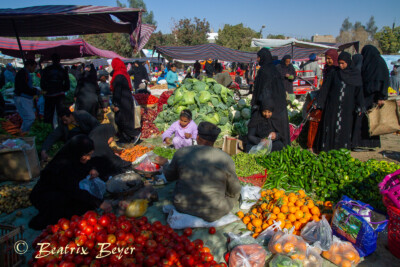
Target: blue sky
{"type": "Point", "coordinates": [296, 18]}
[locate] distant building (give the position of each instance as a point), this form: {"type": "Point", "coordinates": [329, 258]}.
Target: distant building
{"type": "Point", "coordinates": [323, 39]}
{"type": "Point", "coordinates": [212, 37]}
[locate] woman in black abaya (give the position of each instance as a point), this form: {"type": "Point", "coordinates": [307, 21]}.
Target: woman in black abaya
{"type": "Point", "coordinates": [375, 77]}
{"type": "Point", "coordinates": [87, 93]}
{"type": "Point", "coordinates": [268, 81]}
{"type": "Point", "coordinates": [288, 73]}
{"type": "Point", "coordinates": [57, 194]}
{"type": "Point", "coordinates": [341, 100]}
{"type": "Point", "coordinates": [104, 158]}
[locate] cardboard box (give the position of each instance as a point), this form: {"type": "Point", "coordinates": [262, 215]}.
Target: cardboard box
{"type": "Point", "coordinates": [18, 164]}
{"type": "Point", "coordinates": [232, 145]}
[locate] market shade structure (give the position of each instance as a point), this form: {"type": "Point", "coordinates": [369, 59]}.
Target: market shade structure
{"type": "Point", "coordinates": [67, 49]}
{"type": "Point", "coordinates": [284, 42]}
{"type": "Point", "coordinates": [206, 51]}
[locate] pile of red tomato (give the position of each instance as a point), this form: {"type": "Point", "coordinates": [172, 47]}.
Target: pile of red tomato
{"type": "Point", "coordinates": [163, 100]}
{"type": "Point", "coordinates": [146, 99]}
{"type": "Point", "coordinates": [150, 244]}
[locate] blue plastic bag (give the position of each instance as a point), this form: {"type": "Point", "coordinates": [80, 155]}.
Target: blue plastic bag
{"type": "Point", "coordinates": [96, 187]}
{"type": "Point", "coordinates": [357, 223]}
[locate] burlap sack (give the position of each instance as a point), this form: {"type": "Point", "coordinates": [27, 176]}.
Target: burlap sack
{"type": "Point", "coordinates": [385, 119]}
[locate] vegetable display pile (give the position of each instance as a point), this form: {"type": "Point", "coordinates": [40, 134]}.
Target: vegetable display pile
{"type": "Point", "coordinates": [10, 127]}
{"type": "Point", "coordinates": [167, 153]}
{"type": "Point", "coordinates": [146, 99]}
{"type": "Point", "coordinates": [40, 131]}
{"type": "Point", "coordinates": [131, 154]}
{"type": "Point", "coordinates": [163, 100]}
{"type": "Point", "coordinates": [246, 165]}
{"type": "Point", "coordinates": [290, 209]}
{"type": "Point", "coordinates": [15, 119]}
{"type": "Point", "coordinates": [328, 175]}
{"type": "Point", "coordinates": [7, 86]}
{"type": "Point", "coordinates": [107, 240]}
{"type": "Point", "coordinates": [208, 101]}
{"type": "Point", "coordinates": [35, 79]}
{"type": "Point", "coordinates": [149, 129]}
{"type": "Point", "coordinates": [14, 197]}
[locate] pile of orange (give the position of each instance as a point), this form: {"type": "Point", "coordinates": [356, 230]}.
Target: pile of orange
{"type": "Point", "coordinates": [292, 209]}
{"type": "Point", "coordinates": [293, 246]}
{"type": "Point", "coordinates": [342, 254]}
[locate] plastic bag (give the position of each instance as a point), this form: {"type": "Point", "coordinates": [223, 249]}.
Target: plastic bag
{"type": "Point", "coordinates": [280, 260]}
{"type": "Point", "coordinates": [318, 233]}
{"type": "Point", "coordinates": [95, 187]}
{"type": "Point", "coordinates": [263, 148]}
{"type": "Point", "coordinates": [289, 244]}
{"type": "Point", "coordinates": [147, 165]}
{"type": "Point", "coordinates": [358, 223]}
{"type": "Point", "coordinates": [251, 255]}
{"type": "Point", "coordinates": [136, 208]}
{"type": "Point", "coordinates": [265, 236]}
{"type": "Point", "coordinates": [241, 239]}
{"type": "Point", "coordinates": [342, 253]}
{"type": "Point", "coordinates": [313, 257]}
{"type": "Point", "coordinates": [249, 194]}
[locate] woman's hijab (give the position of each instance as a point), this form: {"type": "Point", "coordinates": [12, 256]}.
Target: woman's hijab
{"type": "Point", "coordinates": [350, 75]}
{"type": "Point", "coordinates": [265, 56]}
{"type": "Point", "coordinates": [332, 53]}
{"type": "Point", "coordinates": [374, 67]}
{"type": "Point", "coordinates": [119, 68]}
{"type": "Point", "coordinates": [287, 67]}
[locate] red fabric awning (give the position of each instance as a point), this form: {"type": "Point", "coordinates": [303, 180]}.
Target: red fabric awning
{"type": "Point", "coordinates": [67, 49]}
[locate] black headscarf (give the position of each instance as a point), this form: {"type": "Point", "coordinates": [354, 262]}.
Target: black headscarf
{"type": "Point", "coordinates": [100, 136]}
{"type": "Point", "coordinates": [374, 69]}
{"type": "Point", "coordinates": [263, 125]}
{"type": "Point", "coordinates": [357, 61]}
{"type": "Point", "coordinates": [284, 66]}
{"type": "Point", "coordinates": [208, 131]}
{"type": "Point", "coordinates": [265, 56]}
{"type": "Point", "coordinates": [350, 75]}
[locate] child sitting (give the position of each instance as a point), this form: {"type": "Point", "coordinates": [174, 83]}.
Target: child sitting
{"type": "Point", "coordinates": [185, 131]}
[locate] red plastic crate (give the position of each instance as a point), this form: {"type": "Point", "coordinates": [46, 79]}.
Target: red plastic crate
{"type": "Point", "coordinates": [255, 179]}
{"type": "Point", "coordinates": [393, 227]}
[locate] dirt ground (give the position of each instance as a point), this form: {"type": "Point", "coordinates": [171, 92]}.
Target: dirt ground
{"type": "Point", "coordinates": [389, 151]}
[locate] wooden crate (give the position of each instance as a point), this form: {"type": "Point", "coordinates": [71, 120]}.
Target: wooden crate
{"type": "Point", "coordinates": [9, 235]}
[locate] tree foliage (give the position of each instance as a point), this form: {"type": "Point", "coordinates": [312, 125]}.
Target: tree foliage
{"type": "Point", "coordinates": [371, 27]}
{"type": "Point", "coordinates": [117, 42]}
{"type": "Point", "coordinates": [389, 40]}
{"type": "Point", "coordinates": [350, 32]}
{"type": "Point", "coordinates": [160, 39]}
{"type": "Point", "coordinates": [346, 25]}
{"type": "Point", "coordinates": [237, 37]}
{"type": "Point", "coordinates": [147, 17]}
{"type": "Point", "coordinates": [276, 36]}
{"type": "Point", "coordinates": [191, 32]}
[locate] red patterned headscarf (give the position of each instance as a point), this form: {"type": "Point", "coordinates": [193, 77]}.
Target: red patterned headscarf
{"type": "Point", "coordinates": [119, 68]}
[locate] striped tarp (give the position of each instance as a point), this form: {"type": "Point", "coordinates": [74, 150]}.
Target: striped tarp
{"type": "Point", "coordinates": [62, 20]}
{"type": "Point", "coordinates": [67, 49]}
{"type": "Point", "coordinates": [206, 51]}
{"type": "Point", "coordinates": [145, 32]}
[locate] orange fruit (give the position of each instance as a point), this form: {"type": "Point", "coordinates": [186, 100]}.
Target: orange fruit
{"type": "Point", "coordinates": [310, 204]}
{"type": "Point", "coordinates": [350, 255]}
{"type": "Point", "coordinates": [336, 259]}
{"type": "Point", "coordinates": [263, 193]}
{"type": "Point", "coordinates": [250, 226]}
{"type": "Point", "coordinates": [326, 255]}
{"type": "Point", "coordinates": [288, 247]}
{"type": "Point", "coordinates": [264, 206]}
{"type": "Point", "coordinates": [276, 210]}
{"type": "Point", "coordinates": [315, 218]}
{"type": "Point", "coordinates": [281, 216]}
{"type": "Point", "coordinates": [328, 204]}
{"type": "Point", "coordinates": [303, 220]}
{"type": "Point", "coordinates": [292, 217]}
{"type": "Point", "coordinates": [290, 204]}
{"type": "Point", "coordinates": [302, 193]}
{"type": "Point", "coordinates": [302, 257]}
{"type": "Point", "coordinates": [255, 235]}
{"type": "Point", "coordinates": [299, 203]}
{"type": "Point", "coordinates": [288, 225]}
{"type": "Point", "coordinates": [282, 223]}
{"type": "Point", "coordinates": [252, 216]}
{"type": "Point", "coordinates": [304, 209]}
{"type": "Point", "coordinates": [275, 190]}
{"type": "Point", "coordinates": [278, 248]}
{"type": "Point", "coordinates": [272, 216]}
{"type": "Point", "coordinates": [315, 211]}
{"type": "Point", "coordinates": [292, 195]}
{"type": "Point", "coordinates": [256, 222]}
{"type": "Point", "coordinates": [292, 199]}
{"type": "Point", "coordinates": [264, 226]}
{"type": "Point", "coordinates": [285, 209]}
{"type": "Point", "coordinates": [345, 263]}
{"type": "Point", "coordinates": [270, 222]}
{"type": "Point", "coordinates": [297, 225]}
{"type": "Point", "coordinates": [246, 219]}
{"type": "Point", "coordinates": [292, 209]}
{"type": "Point", "coordinates": [357, 260]}
{"type": "Point", "coordinates": [277, 195]}
{"type": "Point", "coordinates": [308, 216]}
{"type": "Point", "coordinates": [258, 230]}
{"type": "Point", "coordinates": [294, 256]}
{"type": "Point", "coordinates": [240, 214]}
{"type": "Point", "coordinates": [299, 214]}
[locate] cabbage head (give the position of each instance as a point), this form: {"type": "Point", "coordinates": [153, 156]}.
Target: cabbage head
{"type": "Point", "coordinates": [188, 99]}
{"type": "Point", "coordinates": [236, 115]}
{"type": "Point", "coordinates": [246, 113]}
{"type": "Point", "coordinates": [171, 100]}
{"type": "Point", "coordinates": [213, 118]}
{"type": "Point", "coordinates": [178, 94]}
{"type": "Point", "coordinates": [224, 94]}
{"type": "Point", "coordinates": [241, 104]}
{"type": "Point", "coordinates": [204, 97]}
{"type": "Point", "coordinates": [178, 109]}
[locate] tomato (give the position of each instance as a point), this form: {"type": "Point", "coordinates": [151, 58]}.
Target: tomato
{"type": "Point", "coordinates": [207, 257]}
{"type": "Point", "coordinates": [92, 236]}
{"type": "Point", "coordinates": [111, 238]}
{"type": "Point", "coordinates": [69, 233]}
{"type": "Point", "coordinates": [226, 257]}
{"type": "Point", "coordinates": [179, 246]}
{"type": "Point", "coordinates": [125, 225]}
{"type": "Point", "coordinates": [187, 260]}
{"type": "Point", "coordinates": [151, 244]}
{"type": "Point", "coordinates": [114, 259]}
{"type": "Point", "coordinates": [75, 218]}
{"type": "Point", "coordinates": [89, 244]}
{"type": "Point", "coordinates": [55, 228]}
{"type": "Point", "coordinates": [73, 225]}
{"type": "Point", "coordinates": [66, 264]}
{"type": "Point", "coordinates": [72, 244]}
{"type": "Point", "coordinates": [101, 236]}
{"type": "Point", "coordinates": [97, 228]}
{"type": "Point", "coordinates": [223, 264]}
{"type": "Point", "coordinates": [139, 257]}
{"type": "Point", "coordinates": [161, 251]}
{"type": "Point", "coordinates": [129, 238]}
{"type": "Point", "coordinates": [111, 228]}
{"type": "Point", "coordinates": [121, 243]}
{"type": "Point", "coordinates": [212, 230]}
{"type": "Point", "coordinates": [88, 230]}
{"type": "Point", "coordinates": [69, 257]}
{"type": "Point", "coordinates": [89, 214]}
{"type": "Point", "coordinates": [190, 247]}
{"type": "Point", "coordinates": [63, 241]}
{"type": "Point", "coordinates": [198, 243]}
{"type": "Point", "coordinates": [171, 255]}
{"type": "Point", "coordinates": [87, 260]}
{"type": "Point", "coordinates": [104, 220]}
{"type": "Point", "coordinates": [137, 247]}
{"type": "Point", "coordinates": [157, 225]}
{"type": "Point", "coordinates": [140, 240]}
{"type": "Point", "coordinates": [63, 223]}
{"type": "Point", "coordinates": [151, 260]}
{"type": "Point", "coordinates": [82, 225]}
{"type": "Point", "coordinates": [78, 259]}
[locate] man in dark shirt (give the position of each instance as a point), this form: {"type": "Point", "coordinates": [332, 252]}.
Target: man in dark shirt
{"type": "Point", "coordinates": [197, 69]}
{"type": "Point", "coordinates": [54, 83]}
{"type": "Point", "coordinates": [73, 123]}
{"type": "Point", "coordinates": [24, 93]}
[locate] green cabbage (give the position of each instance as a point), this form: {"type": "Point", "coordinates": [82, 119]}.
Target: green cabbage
{"type": "Point", "coordinates": [204, 97]}
{"type": "Point", "coordinates": [188, 98]}
{"type": "Point", "coordinates": [179, 93]}
{"type": "Point", "coordinates": [246, 113]}
{"type": "Point", "coordinates": [178, 109]}
{"type": "Point", "coordinates": [171, 100]}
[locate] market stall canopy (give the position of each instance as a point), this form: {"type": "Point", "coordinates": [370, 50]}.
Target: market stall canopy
{"type": "Point", "coordinates": [284, 42]}
{"type": "Point", "coordinates": [62, 20]}
{"type": "Point", "coordinates": [206, 51]}
{"type": "Point", "coordinates": [145, 32]}
{"type": "Point", "coordinates": [67, 49]}
{"type": "Point", "coordinates": [301, 53]}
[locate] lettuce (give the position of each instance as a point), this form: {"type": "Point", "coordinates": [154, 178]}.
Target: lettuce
{"type": "Point", "coordinates": [188, 98]}
{"type": "Point", "coordinates": [204, 97]}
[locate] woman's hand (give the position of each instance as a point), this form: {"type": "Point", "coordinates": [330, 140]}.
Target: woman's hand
{"type": "Point", "coordinates": [106, 206]}
{"type": "Point", "coordinates": [168, 141]}
{"type": "Point", "coordinates": [188, 135]}
{"type": "Point", "coordinates": [94, 173]}
{"type": "Point", "coordinates": [116, 109]}
{"type": "Point", "coordinates": [272, 135]}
